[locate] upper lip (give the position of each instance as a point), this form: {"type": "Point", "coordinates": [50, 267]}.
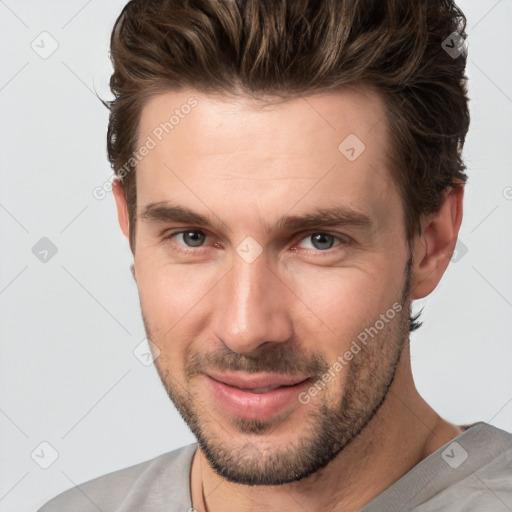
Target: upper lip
{"type": "Point", "coordinates": [244, 380]}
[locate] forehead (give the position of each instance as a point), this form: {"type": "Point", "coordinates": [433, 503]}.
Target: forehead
{"type": "Point", "coordinates": [329, 147]}
{"type": "Point", "coordinates": [298, 125]}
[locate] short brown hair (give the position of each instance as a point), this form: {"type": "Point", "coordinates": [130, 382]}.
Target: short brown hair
{"type": "Point", "coordinates": [287, 48]}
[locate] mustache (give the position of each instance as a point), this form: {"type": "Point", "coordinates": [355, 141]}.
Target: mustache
{"type": "Point", "coordinates": [277, 358]}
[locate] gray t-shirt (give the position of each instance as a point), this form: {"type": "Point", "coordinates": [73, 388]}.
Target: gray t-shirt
{"type": "Point", "coordinates": [472, 473]}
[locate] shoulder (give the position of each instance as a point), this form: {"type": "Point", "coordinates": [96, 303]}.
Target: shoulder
{"type": "Point", "coordinates": [480, 472]}
{"type": "Point", "coordinates": [471, 473]}
{"type": "Point", "coordinates": [138, 487]}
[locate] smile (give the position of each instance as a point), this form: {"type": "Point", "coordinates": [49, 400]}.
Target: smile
{"type": "Point", "coordinates": [254, 396]}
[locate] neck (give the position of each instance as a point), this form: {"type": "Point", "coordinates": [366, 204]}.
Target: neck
{"type": "Point", "coordinates": [404, 431]}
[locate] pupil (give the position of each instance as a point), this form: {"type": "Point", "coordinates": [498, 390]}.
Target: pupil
{"type": "Point", "coordinates": [193, 238]}
{"type": "Point", "coordinates": [322, 241]}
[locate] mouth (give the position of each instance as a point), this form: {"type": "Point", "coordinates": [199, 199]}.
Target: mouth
{"type": "Point", "coordinates": [255, 396]}
{"type": "Point", "coordinates": [261, 390]}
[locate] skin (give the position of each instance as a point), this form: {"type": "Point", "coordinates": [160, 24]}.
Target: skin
{"type": "Point", "coordinates": [245, 167]}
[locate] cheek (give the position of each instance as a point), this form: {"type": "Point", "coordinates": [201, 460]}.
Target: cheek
{"type": "Point", "coordinates": [347, 300]}
{"type": "Point", "coordinates": [178, 303]}
{"type": "Point", "coordinates": [329, 307]}
{"type": "Point", "coordinates": [166, 301]}
{"type": "Point", "coordinates": [172, 295]}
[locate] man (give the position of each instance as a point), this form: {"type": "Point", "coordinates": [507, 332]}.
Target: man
{"type": "Point", "coordinates": [290, 178]}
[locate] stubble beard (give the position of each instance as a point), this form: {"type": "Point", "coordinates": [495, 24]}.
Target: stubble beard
{"type": "Point", "coordinates": [328, 427]}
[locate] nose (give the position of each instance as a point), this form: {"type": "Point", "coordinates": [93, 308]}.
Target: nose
{"type": "Point", "coordinates": [252, 307]}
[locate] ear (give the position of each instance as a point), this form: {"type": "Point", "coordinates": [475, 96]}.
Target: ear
{"type": "Point", "coordinates": [122, 209]}
{"type": "Point", "coordinates": [433, 250]}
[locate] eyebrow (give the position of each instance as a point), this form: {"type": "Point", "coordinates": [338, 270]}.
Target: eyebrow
{"type": "Point", "coordinates": [334, 216]}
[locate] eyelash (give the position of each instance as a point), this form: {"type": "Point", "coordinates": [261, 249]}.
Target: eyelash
{"type": "Point", "coordinates": [344, 241]}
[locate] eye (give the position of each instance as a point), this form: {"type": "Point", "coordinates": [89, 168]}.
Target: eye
{"type": "Point", "coordinates": [319, 241]}
{"type": "Point", "coordinates": [190, 238]}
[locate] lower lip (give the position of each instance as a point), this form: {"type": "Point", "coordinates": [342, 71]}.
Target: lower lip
{"type": "Point", "coordinates": [254, 406]}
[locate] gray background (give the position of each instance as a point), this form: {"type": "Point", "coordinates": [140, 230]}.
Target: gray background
{"type": "Point", "coordinates": [69, 325]}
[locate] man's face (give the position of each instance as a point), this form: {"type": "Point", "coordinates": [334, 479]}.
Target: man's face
{"type": "Point", "coordinates": [251, 305]}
